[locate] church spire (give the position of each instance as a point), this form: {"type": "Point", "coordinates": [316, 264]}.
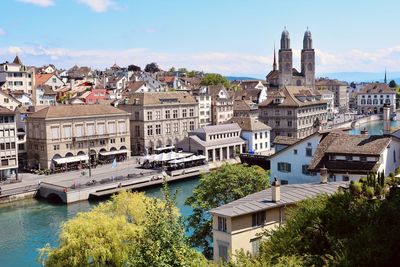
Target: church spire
{"type": "Point", "coordinates": [385, 77]}
{"type": "Point", "coordinates": [274, 65]}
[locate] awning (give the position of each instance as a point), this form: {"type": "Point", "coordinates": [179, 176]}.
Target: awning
{"type": "Point", "coordinates": [114, 152]}
{"type": "Point", "coordinates": [166, 156]}
{"type": "Point", "coordinates": [71, 159]}
{"type": "Point", "coordinates": [164, 148]}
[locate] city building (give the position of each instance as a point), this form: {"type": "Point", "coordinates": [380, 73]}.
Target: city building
{"type": "Point", "coordinates": [329, 97]}
{"type": "Point", "coordinates": [59, 136]}
{"type": "Point", "coordinates": [49, 79]}
{"type": "Point", "coordinates": [16, 76]}
{"type": "Point", "coordinates": [372, 98]}
{"type": "Point", "coordinates": [159, 120]}
{"type": "Point", "coordinates": [245, 108]}
{"type": "Point", "coordinates": [45, 96]}
{"type": "Point", "coordinates": [8, 101]}
{"type": "Point", "coordinates": [204, 99]}
{"type": "Point", "coordinates": [294, 111]}
{"type": "Point", "coordinates": [338, 88]}
{"type": "Point", "coordinates": [8, 148]}
{"type": "Point", "coordinates": [239, 225]}
{"type": "Point", "coordinates": [221, 104]}
{"type": "Point", "coordinates": [256, 134]}
{"type": "Point", "coordinates": [216, 142]}
{"type": "Point", "coordinates": [286, 75]}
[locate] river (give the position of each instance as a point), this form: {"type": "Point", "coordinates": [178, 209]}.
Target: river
{"type": "Point", "coordinates": [29, 224]}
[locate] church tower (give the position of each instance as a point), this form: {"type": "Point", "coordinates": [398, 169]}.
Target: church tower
{"type": "Point", "coordinates": [285, 60]}
{"type": "Point", "coordinates": [308, 60]}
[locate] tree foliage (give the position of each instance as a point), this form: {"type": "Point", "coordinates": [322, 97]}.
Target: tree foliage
{"type": "Point", "coordinates": [392, 84]}
{"type": "Point", "coordinates": [349, 228]}
{"type": "Point", "coordinates": [129, 230]}
{"type": "Point", "coordinates": [214, 79]}
{"type": "Point", "coordinates": [152, 67]}
{"type": "Point", "coordinates": [134, 68]}
{"type": "Point", "coordinates": [221, 186]}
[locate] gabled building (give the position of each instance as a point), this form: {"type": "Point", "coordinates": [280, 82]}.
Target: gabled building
{"type": "Point", "coordinates": [8, 101]}
{"type": "Point", "coordinates": [15, 76]}
{"type": "Point", "coordinates": [245, 108]}
{"type": "Point", "coordinates": [221, 104]}
{"type": "Point", "coordinates": [45, 96]}
{"type": "Point", "coordinates": [294, 111]}
{"type": "Point", "coordinates": [372, 98]}
{"type": "Point", "coordinates": [338, 88]}
{"type": "Point", "coordinates": [203, 99]}
{"type": "Point", "coordinates": [49, 79]}
{"type": "Point", "coordinates": [24, 98]}
{"type": "Point", "coordinates": [256, 134]}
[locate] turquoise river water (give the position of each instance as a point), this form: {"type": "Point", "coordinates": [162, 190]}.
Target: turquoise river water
{"type": "Point", "coordinates": [30, 224]}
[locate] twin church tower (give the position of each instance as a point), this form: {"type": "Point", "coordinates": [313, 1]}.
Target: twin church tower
{"type": "Point", "coordinates": [286, 75]}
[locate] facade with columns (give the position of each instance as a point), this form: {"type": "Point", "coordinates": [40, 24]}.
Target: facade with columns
{"type": "Point", "coordinates": [216, 142]}
{"type": "Point", "coordinates": [286, 75]}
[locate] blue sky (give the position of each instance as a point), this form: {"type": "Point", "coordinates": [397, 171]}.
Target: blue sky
{"type": "Point", "coordinates": [232, 37]}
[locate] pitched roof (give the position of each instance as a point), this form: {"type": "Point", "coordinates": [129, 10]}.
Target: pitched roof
{"type": "Point", "coordinates": [17, 60]}
{"type": "Point", "coordinates": [159, 98]}
{"type": "Point", "coordinates": [290, 194]}
{"type": "Point", "coordinates": [71, 111]}
{"type": "Point", "coordinates": [377, 88]}
{"type": "Point", "coordinates": [249, 124]}
{"type": "Point", "coordinates": [6, 111]}
{"type": "Point", "coordinates": [293, 96]}
{"type": "Point", "coordinates": [244, 105]}
{"type": "Point", "coordinates": [42, 78]}
{"type": "Point", "coordinates": [220, 128]}
{"type": "Point", "coordinates": [219, 142]}
{"type": "Point", "coordinates": [285, 140]}
{"type": "Point", "coordinates": [135, 85]}
{"type": "Point", "coordinates": [329, 82]}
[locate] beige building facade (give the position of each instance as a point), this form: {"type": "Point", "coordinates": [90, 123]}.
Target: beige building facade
{"type": "Point", "coordinates": [66, 134]}
{"type": "Point", "coordinates": [8, 147]}
{"type": "Point", "coordinates": [159, 120]}
{"type": "Point", "coordinates": [17, 77]}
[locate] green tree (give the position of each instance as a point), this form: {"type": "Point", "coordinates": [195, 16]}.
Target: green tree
{"type": "Point", "coordinates": [392, 84]}
{"type": "Point", "coordinates": [221, 186]}
{"type": "Point", "coordinates": [152, 67]}
{"type": "Point", "coordinates": [214, 79]}
{"type": "Point", "coordinates": [129, 230]}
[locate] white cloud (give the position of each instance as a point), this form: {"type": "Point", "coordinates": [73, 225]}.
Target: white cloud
{"type": "Point", "coordinates": [2, 32]}
{"type": "Point", "coordinates": [98, 5]}
{"type": "Point", "coordinates": [43, 3]}
{"type": "Point", "coordinates": [214, 61]}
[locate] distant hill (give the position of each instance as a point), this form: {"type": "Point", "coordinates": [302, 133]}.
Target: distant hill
{"type": "Point", "coordinates": [362, 76]}
{"type": "Point", "coordinates": [236, 78]}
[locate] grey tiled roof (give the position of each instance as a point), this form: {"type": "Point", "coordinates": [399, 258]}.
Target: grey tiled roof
{"type": "Point", "coordinates": [217, 142]}
{"type": "Point", "coordinates": [220, 128]}
{"type": "Point", "coordinates": [262, 200]}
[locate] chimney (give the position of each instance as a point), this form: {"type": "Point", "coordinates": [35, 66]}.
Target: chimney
{"type": "Point", "coordinates": [386, 119]}
{"type": "Point", "coordinates": [276, 190]}
{"type": "Point", "coordinates": [323, 173]}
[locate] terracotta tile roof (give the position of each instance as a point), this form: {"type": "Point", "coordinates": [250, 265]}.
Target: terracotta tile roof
{"type": "Point", "coordinates": [135, 85]}
{"type": "Point", "coordinates": [244, 105]}
{"type": "Point", "coordinates": [6, 111]}
{"type": "Point", "coordinates": [377, 88]}
{"type": "Point", "coordinates": [329, 82]}
{"type": "Point", "coordinates": [71, 111]}
{"type": "Point", "coordinates": [160, 98]}
{"type": "Point", "coordinates": [293, 96]}
{"type": "Point", "coordinates": [42, 78]}
{"type": "Point", "coordinates": [249, 124]}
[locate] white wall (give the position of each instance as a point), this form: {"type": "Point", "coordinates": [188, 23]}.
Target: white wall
{"type": "Point", "coordinates": [263, 142]}
{"type": "Point", "coordinates": [296, 175]}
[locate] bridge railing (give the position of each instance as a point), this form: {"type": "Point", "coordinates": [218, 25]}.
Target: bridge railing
{"type": "Point", "coordinates": [18, 190]}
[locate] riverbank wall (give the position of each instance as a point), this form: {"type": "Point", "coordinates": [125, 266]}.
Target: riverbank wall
{"type": "Point", "coordinates": [358, 122]}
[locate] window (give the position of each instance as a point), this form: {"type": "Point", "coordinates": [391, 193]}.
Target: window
{"type": "Point", "coordinates": [277, 123]}
{"type": "Point", "coordinates": [100, 128]}
{"type": "Point", "coordinates": [4, 162]}
{"type": "Point", "coordinates": [289, 112]}
{"type": "Point", "coordinates": [304, 170]}
{"type": "Point", "coordinates": [56, 147]}
{"type": "Point", "coordinates": [255, 245]}
{"type": "Point", "coordinates": [284, 167]}
{"type": "Point", "coordinates": [289, 123]}
{"type": "Point", "coordinates": [308, 152]}
{"type": "Point", "coordinates": [223, 252]}
{"type": "Point", "coordinates": [102, 142]}
{"type": "Point", "coordinates": [149, 129]}
{"type": "Point", "coordinates": [176, 127]}
{"type": "Point", "coordinates": [112, 141]}
{"type": "Point", "coordinates": [255, 146]}
{"type": "Point", "coordinates": [221, 224]}
{"type": "Point", "coordinates": [258, 218]}
{"type": "Point", "coordinates": [55, 133]}
{"type": "Point", "coordinates": [158, 129]}
{"type": "Point", "coordinates": [168, 128]}
{"type": "Point", "coordinates": [67, 132]}
{"type": "Point", "coordinates": [136, 115]}
{"type": "Point", "coordinates": [191, 112]}
{"type": "Point", "coordinates": [158, 115]}
{"type": "Point", "coordinates": [122, 127]}
{"type": "Point", "coordinates": [6, 100]}
{"type": "Point", "coordinates": [191, 126]}
{"type": "Point", "coordinates": [184, 113]}
{"type": "Point", "coordinates": [122, 139]}
{"type": "Point", "coordinates": [137, 130]}
{"type": "Point", "coordinates": [394, 156]}
{"type": "Point", "coordinates": [256, 136]}
{"type": "Point", "coordinates": [111, 127]}
{"type": "Point", "coordinates": [295, 151]}
{"type": "Point", "coordinates": [184, 128]}
{"type": "Point", "coordinates": [167, 114]}
{"type": "Point", "coordinates": [90, 129]}
{"type": "Point", "coordinates": [175, 114]}
{"type": "Point", "coordinates": [149, 115]}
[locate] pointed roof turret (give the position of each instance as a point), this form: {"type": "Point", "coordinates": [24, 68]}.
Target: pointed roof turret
{"type": "Point", "coordinates": [285, 40]}
{"type": "Point", "coordinates": [274, 64]}
{"type": "Point", "coordinates": [17, 60]}
{"type": "Point", "coordinates": [385, 77]}
{"type": "Point", "coordinates": [307, 41]}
